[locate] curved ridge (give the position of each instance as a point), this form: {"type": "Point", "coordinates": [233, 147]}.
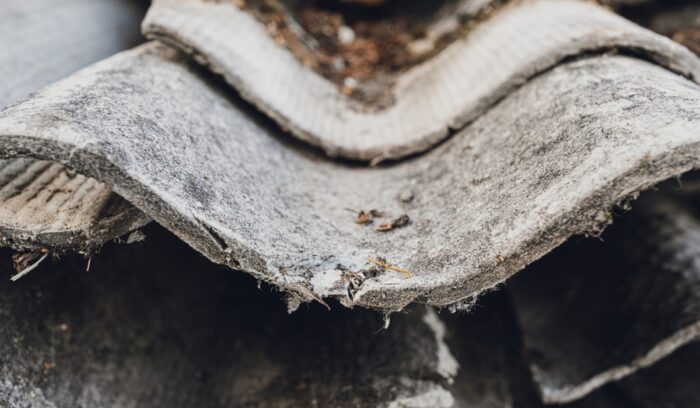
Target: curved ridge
{"type": "Point", "coordinates": [547, 162]}
{"type": "Point", "coordinates": [440, 95]}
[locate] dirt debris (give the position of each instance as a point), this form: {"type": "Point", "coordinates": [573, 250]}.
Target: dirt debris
{"type": "Point", "coordinates": [360, 44]}
{"type": "Point", "coordinates": [399, 222]}
{"type": "Point", "coordinates": [367, 217]}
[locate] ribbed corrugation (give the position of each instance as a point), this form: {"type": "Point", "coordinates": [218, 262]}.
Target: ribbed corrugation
{"type": "Point", "coordinates": [446, 92]}
{"type": "Point", "coordinates": [45, 196]}
{"type": "Point", "coordinates": [46, 205]}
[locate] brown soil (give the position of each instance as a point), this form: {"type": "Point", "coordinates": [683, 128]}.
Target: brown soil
{"type": "Point", "coordinates": [357, 44]}
{"type": "Point", "coordinates": [681, 30]}
{"type": "Point", "coordinates": [690, 38]}
{"type": "Point", "coordinates": [361, 45]}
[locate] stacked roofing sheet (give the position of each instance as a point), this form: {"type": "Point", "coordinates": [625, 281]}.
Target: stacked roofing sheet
{"type": "Point", "coordinates": [542, 122]}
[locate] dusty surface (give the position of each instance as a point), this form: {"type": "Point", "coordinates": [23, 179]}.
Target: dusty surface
{"type": "Point", "coordinates": [438, 229]}
{"type": "Point", "coordinates": [515, 184]}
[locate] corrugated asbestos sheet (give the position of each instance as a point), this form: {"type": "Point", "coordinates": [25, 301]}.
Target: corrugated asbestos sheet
{"type": "Point", "coordinates": [375, 204]}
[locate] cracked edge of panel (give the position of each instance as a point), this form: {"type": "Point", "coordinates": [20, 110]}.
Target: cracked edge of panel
{"type": "Point", "coordinates": [222, 204]}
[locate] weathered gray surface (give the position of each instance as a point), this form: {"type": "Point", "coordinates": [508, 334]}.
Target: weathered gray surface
{"type": "Point", "coordinates": [444, 93]}
{"type": "Point", "coordinates": [546, 163]}
{"type": "Point", "coordinates": [155, 324]}
{"type": "Point", "coordinates": [596, 311]}
{"type": "Point", "coordinates": [42, 41]}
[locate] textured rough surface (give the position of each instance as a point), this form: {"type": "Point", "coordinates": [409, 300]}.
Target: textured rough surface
{"type": "Point", "coordinates": [155, 324]}
{"type": "Point", "coordinates": [546, 163]}
{"type": "Point", "coordinates": [444, 93]}
{"type": "Point", "coordinates": [44, 205]}
{"type": "Point", "coordinates": [596, 311]}
{"type": "Point", "coordinates": [42, 41]}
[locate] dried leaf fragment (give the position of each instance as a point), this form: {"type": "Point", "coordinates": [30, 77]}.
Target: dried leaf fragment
{"type": "Point", "coordinates": [363, 218]}
{"type": "Point", "coordinates": [367, 217]}
{"type": "Point", "coordinates": [402, 221]}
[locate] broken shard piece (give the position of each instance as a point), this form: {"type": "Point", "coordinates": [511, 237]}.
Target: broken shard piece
{"type": "Point", "coordinates": [594, 312]}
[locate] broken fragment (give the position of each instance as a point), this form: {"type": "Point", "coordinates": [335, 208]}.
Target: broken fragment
{"type": "Point", "coordinates": [381, 263]}
{"type": "Point", "coordinates": [43, 205]}
{"type": "Point", "coordinates": [593, 312]}
{"type": "Point", "coordinates": [369, 216]}
{"type": "Point", "coordinates": [399, 222]}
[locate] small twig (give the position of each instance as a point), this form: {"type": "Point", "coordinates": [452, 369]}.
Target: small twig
{"type": "Point", "coordinates": [29, 268]}
{"type": "Point", "coordinates": [405, 273]}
